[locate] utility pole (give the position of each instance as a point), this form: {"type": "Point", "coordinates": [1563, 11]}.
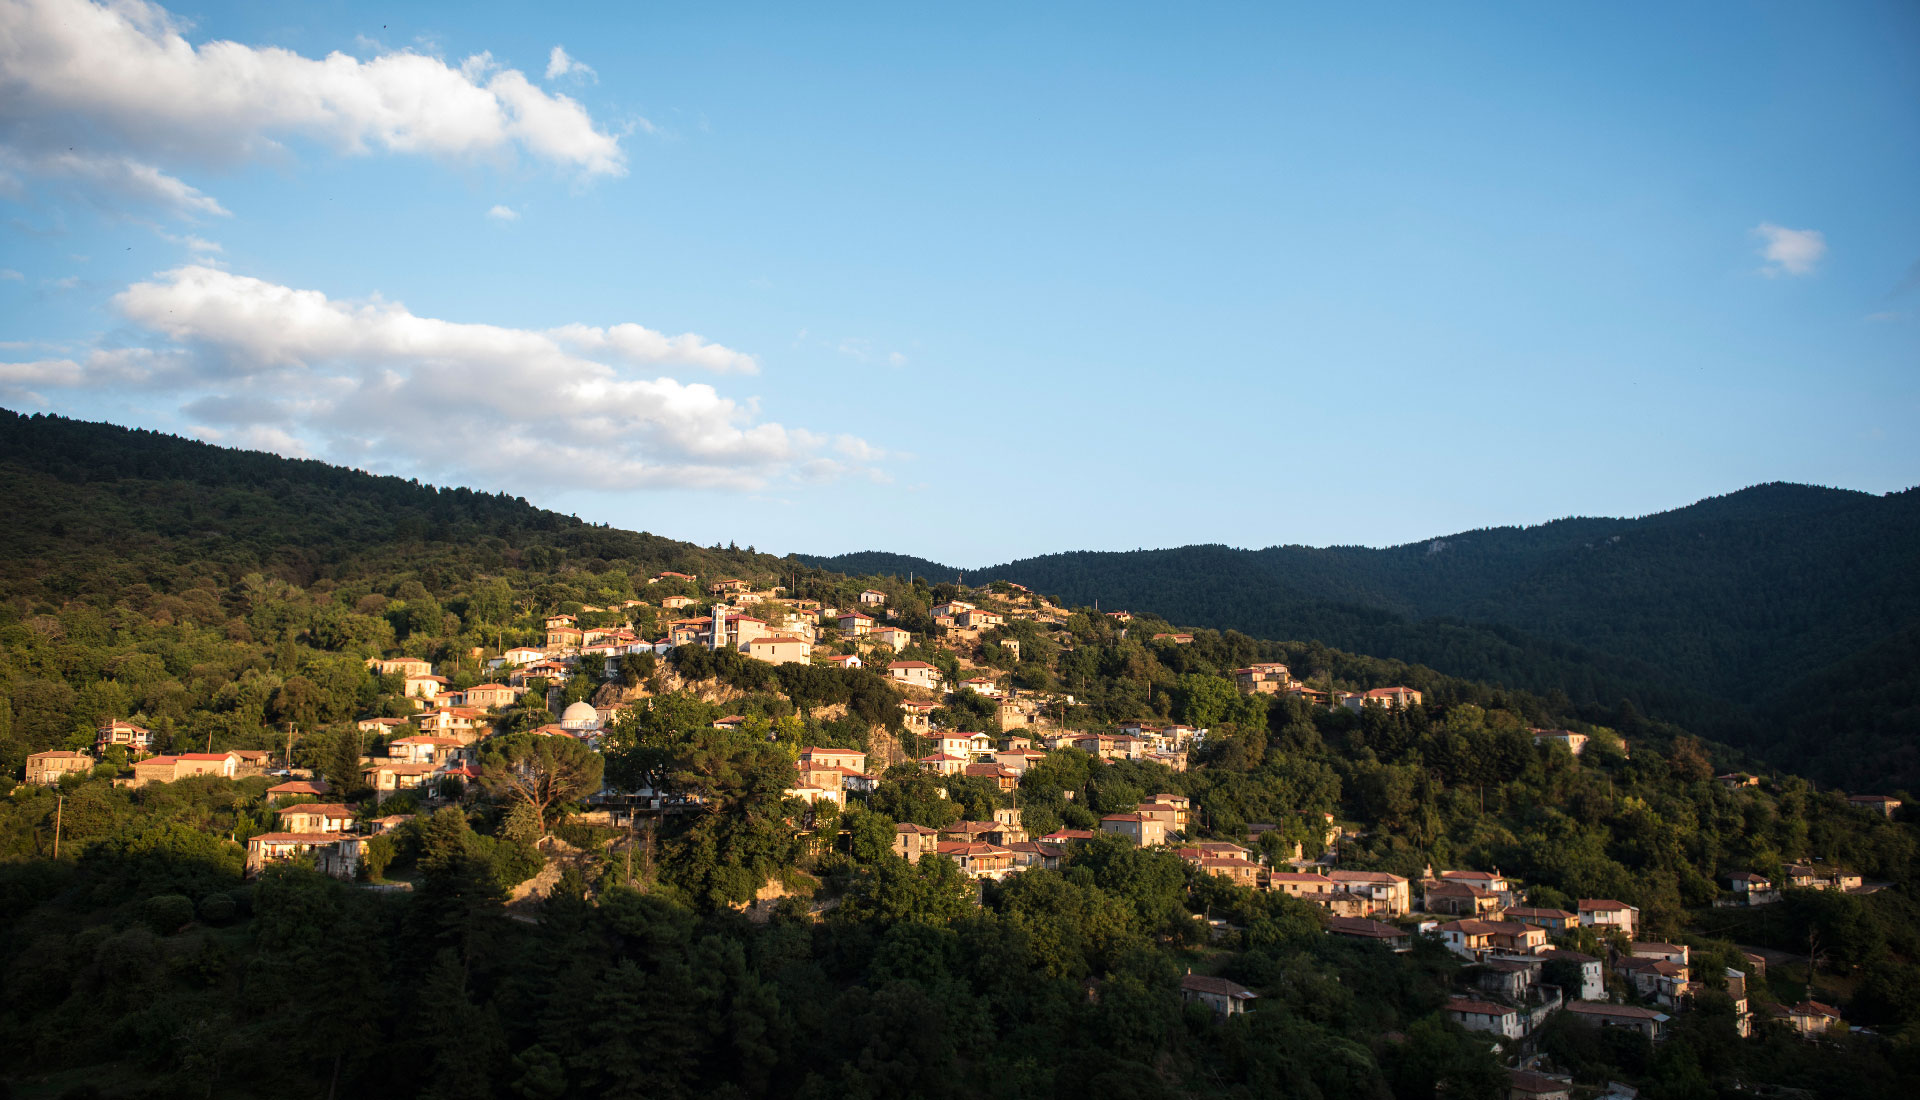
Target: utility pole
{"type": "Point", "coordinates": [59, 804]}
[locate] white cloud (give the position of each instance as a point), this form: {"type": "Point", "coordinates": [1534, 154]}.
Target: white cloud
{"type": "Point", "coordinates": [123, 75]}
{"type": "Point", "coordinates": [634, 344]}
{"type": "Point", "coordinates": [108, 179]}
{"type": "Point", "coordinates": [503, 213]}
{"type": "Point", "coordinates": [1790, 251]}
{"type": "Point", "coordinates": [101, 368]}
{"type": "Point", "coordinates": [559, 65]}
{"type": "Point", "coordinates": [44, 372]}
{"type": "Point", "coordinates": [895, 359]}
{"type": "Point", "coordinates": [10, 275]}
{"type": "Point", "coordinates": [372, 384]}
{"type": "Point", "coordinates": [858, 449]}
{"type": "Point", "coordinates": [192, 243]}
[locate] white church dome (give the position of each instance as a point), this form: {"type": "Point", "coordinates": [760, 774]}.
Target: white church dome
{"type": "Point", "coordinates": [580, 716]}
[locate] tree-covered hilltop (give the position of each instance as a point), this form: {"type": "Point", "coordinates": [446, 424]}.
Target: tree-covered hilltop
{"type": "Point", "coordinates": [101, 508]}
{"type": "Point", "coordinates": [1784, 618]}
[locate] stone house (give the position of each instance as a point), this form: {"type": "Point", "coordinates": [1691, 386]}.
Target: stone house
{"type": "Point", "coordinates": [1224, 997]}
{"type": "Point", "coordinates": [168, 769]}
{"type": "Point", "coordinates": [911, 841]}
{"type": "Point", "coordinates": [1139, 828]}
{"type": "Point", "coordinates": [45, 768]}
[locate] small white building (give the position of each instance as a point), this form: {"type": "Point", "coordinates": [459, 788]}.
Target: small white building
{"type": "Point", "coordinates": [1488, 1016]}
{"type": "Point", "coordinates": [1605, 913]}
{"type": "Point", "coordinates": [1226, 998]}
{"type": "Point", "coordinates": [914, 674]}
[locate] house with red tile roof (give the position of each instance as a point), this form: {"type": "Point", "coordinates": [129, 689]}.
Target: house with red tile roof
{"type": "Point", "coordinates": [389, 776]}
{"type": "Point", "coordinates": [1387, 893]}
{"type": "Point", "coordinates": [975, 618]}
{"type": "Point", "coordinates": [1553, 920]}
{"type": "Point", "coordinates": [1034, 853]}
{"type": "Point", "coordinates": [1606, 913]}
{"type": "Point", "coordinates": [1395, 698]}
{"type": "Point", "coordinates": [1139, 828]}
{"type": "Point", "coordinates": [1371, 931]}
{"type": "Point", "coordinates": [1885, 805]}
{"type": "Point", "coordinates": [943, 763]}
{"type": "Point", "coordinates": [911, 841]}
{"type": "Point", "coordinates": [1002, 778]}
{"type": "Point", "coordinates": [1488, 1016]}
{"type": "Point", "coordinates": [1813, 1018]}
{"type": "Point", "coordinates": [426, 749]}
{"type": "Point", "coordinates": [978, 860]}
{"type": "Point", "coordinates": [807, 792]}
{"type": "Point", "coordinates": [981, 685]}
{"type": "Point", "coordinates": [1264, 678]}
{"type": "Point", "coordinates": [1460, 899]}
{"type": "Point", "coordinates": [135, 738]}
{"type": "Point", "coordinates": [1646, 1021]}
{"type": "Point", "coordinates": [914, 674]}
{"type": "Point", "coordinates": [316, 817]}
{"type": "Point", "coordinates": [304, 789]}
{"type": "Point", "coordinates": [780, 649]}
{"type": "Point", "coordinates": [1226, 998]}
{"type": "Point", "coordinates": [169, 769]}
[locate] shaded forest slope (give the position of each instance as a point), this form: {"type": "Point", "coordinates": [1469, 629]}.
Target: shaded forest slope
{"type": "Point", "coordinates": [99, 508]}
{"type": "Point", "coordinates": [1785, 618]}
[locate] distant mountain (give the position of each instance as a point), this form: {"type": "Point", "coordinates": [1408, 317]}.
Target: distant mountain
{"type": "Point", "coordinates": [1785, 618]}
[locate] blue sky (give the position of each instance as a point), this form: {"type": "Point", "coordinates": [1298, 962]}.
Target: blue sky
{"type": "Point", "coordinates": [983, 281]}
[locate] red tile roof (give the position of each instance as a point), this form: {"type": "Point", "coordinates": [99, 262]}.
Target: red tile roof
{"type": "Point", "coordinates": [1479, 1008]}
{"type": "Point", "coordinates": [1200, 983]}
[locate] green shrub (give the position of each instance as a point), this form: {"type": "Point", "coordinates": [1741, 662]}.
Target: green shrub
{"type": "Point", "coordinates": [218, 908]}
{"type": "Point", "coordinates": [167, 913]}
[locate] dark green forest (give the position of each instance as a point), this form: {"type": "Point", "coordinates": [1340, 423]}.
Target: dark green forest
{"type": "Point", "coordinates": [1783, 618]}
{"type": "Point", "coordinates": [222, 597]}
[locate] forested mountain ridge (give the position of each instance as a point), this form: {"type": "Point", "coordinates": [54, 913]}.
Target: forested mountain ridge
{"type": "Point", "coordinates": [100, 496]}
{"type": "Point", "coordinates": [1780, 617]}
{"type": "Point", "coordinates": [239, 603]}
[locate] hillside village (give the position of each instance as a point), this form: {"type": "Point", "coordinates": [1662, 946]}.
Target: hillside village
{"type": "Point", "coordinates": [973, 727]}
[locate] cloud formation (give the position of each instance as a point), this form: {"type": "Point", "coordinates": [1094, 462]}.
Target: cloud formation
{"type": "Point", "coordinates": [99, 93]}
{"type": "Point", "coordinates": [504, 213]}
{"type": "Point", "coordinates": [372, 384]}
{"type": "Point", "coordinates": [1790, 251]}
{"type": "Point", "coordinates": [110, 180]}
{"type": "Point", "coordinates": [559, 65]}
